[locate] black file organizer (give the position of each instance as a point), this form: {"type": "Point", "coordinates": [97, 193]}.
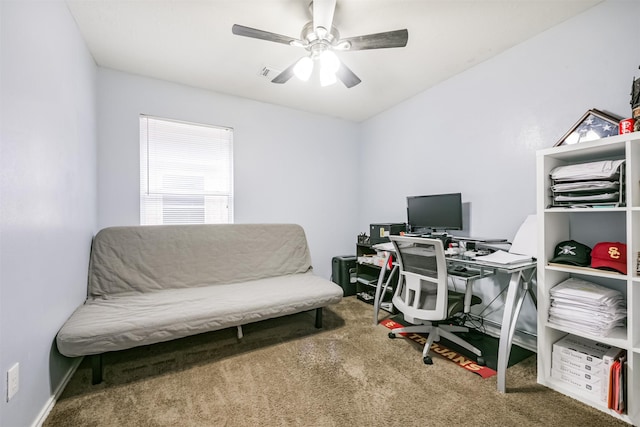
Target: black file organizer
{"type": "Point", "coordinates": [367, 279]}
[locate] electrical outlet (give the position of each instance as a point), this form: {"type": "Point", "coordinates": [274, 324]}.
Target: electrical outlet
{"type": "Point", "coordinates": [13, 381]}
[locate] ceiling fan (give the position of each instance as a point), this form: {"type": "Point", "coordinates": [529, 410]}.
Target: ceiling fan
{"type": "Point", "coordinates": [320, 38]}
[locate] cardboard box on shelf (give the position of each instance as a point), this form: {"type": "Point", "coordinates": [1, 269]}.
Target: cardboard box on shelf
{"type": "Point", "coordinates": [584, 350]}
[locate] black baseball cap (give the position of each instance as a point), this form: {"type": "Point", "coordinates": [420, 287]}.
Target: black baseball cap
{"type": "Point", "coordinates": [573, 253]}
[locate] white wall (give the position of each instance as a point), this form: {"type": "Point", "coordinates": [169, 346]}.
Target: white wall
{"type": "Point", "coordinates": [478, 132]}
{"type": "Point", "coordinates": [47, 194]}
{"type": "Point", "coordinates": [289, 166]}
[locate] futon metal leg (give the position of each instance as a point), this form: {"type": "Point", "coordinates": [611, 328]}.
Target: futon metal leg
{"type": "Point", "coordinates": [96, 369]}
{"type": "Point", "coordinates": [319, 317]}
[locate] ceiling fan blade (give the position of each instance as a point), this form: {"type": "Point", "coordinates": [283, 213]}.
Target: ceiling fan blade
{"type": "Point", "coordinates": [285, 75]}
{"type": "Point", "coordinates": [385, 40]}
{"type": "Point", "coordinates": [241, 30]}
{"type": "Point", "coordinates": [323, 13]}
{"type": "Point", "coordinates": [347, 76]}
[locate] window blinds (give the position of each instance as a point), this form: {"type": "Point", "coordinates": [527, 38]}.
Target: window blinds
{"type": "Point", "coordinates": [186, 173]}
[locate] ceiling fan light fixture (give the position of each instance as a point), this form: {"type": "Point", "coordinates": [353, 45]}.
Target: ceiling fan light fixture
{"type": "Point", "coordinates": [329, 65]}
{"type": "Point", "coordinates": [327, 77]}
{"type": "Point", "coordinates": [303, 68]}
{"type": "Point", "coordinates": [329, 62]}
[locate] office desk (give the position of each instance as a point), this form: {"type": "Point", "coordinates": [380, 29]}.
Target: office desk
{"type": "Point", "coordinates": [519, 286]}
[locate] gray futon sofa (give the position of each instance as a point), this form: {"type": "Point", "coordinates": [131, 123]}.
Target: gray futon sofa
{"type": "Point", "coordinates": [149, 284]}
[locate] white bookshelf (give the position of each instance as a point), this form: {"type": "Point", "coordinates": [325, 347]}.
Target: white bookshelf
{"type": "Point", "coordinates": [590, 226]}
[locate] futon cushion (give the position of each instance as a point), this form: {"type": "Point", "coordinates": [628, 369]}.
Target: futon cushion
{"type": "Point", "coordinates": [121, 322]}
{"type": "Point", "coordinates": [129, 260]}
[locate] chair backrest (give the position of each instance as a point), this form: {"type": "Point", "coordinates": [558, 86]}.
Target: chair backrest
{"type": "Point", "coordinates": [422, 292]}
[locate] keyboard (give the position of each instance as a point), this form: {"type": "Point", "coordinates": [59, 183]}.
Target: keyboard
{"type": "Point", "coordinates": [479, 239]}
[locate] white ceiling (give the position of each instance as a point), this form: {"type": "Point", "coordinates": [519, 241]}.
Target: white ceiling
{"type": "Point", "coordinates": [190, 42]}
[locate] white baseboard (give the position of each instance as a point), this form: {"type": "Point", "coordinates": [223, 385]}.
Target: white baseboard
{"type": "Point", "coordinates": [44, 413]}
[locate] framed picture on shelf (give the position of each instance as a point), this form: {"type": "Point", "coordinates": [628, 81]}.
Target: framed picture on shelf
{"type": "Point", "coordinates": [594, 124]}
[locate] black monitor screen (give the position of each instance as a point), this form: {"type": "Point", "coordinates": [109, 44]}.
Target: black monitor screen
{"type": "Point", "coordinates": [435, 212]}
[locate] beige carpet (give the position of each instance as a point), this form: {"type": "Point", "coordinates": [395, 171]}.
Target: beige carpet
{"type": "Point", "coordinates": [284, 372]}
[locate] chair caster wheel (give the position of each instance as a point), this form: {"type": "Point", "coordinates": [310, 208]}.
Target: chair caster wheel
{"type": "Point", "coordinates": [481, 361]}
{"type": "Point", "coordinates": [392, 335]}
{"type": "Point", "coordinates": [427, 360]}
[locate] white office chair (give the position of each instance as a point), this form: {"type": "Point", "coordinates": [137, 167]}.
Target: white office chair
{"type": "Point", "coordinates": [422, 294]}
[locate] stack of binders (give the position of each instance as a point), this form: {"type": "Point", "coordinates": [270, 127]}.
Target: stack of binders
{"type": "Point", "coordinates": [594, 184]}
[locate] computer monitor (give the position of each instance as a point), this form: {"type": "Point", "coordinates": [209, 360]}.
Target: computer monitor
{"type": "Point", "coordinates": [436, 212]}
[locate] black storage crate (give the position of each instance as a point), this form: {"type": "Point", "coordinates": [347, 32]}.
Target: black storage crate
{"type": "Point", "coordinates": [343, 273]}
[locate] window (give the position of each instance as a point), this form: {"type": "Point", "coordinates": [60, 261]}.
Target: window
{"type": "Point", "coordinates": [186, 173]}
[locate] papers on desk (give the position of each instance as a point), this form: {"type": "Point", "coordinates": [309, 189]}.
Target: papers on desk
{"type": "Point", "coordinates": [502, 258]}
{"type": "Point", "coordinates": [386, 246]}
{"type": "Point", "coordinates": [587, 306]}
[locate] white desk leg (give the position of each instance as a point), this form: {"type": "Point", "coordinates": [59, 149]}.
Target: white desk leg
{"type": "Point", "coordinates": [509, 318]}
{"type": "Point", "coordinates": [378, 297]}
{"type": "Point", "coordinates": [468, 295]}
